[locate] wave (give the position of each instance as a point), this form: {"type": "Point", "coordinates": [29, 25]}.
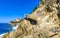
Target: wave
{"type": "Point", "coordinates": [13, 28]}
{"type": "Point", "coordinates": [2, 35]}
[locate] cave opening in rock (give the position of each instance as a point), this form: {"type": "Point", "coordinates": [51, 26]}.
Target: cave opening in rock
{"type": "Point", "coordinates": [58, 16]}
{"type": "Point", "coordinates": [32, 21]}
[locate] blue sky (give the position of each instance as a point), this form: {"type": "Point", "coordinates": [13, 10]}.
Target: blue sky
{"type": "Point", "coordinates": [12, 9]}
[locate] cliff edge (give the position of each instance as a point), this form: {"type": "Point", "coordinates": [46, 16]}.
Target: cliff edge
{"type": "Point", "coordinates": [43, 22]}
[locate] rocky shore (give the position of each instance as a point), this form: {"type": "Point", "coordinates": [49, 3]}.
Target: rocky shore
{"type": "Point", "coordinates": [43, 22]}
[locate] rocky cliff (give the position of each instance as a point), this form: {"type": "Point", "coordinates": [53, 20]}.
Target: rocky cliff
{"type": "Point", "coordinates": [43, 22]}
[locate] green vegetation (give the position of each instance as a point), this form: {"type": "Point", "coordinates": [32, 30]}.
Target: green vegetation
{"type": "Point", "coordinates": [33, 10]}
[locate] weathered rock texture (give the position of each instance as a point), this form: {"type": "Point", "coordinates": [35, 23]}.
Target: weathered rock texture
{"type": "Point", "coordinates": [44, 22]}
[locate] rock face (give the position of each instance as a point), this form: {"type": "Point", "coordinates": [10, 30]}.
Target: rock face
{"type": "Point", "coordinates": [44, 22]}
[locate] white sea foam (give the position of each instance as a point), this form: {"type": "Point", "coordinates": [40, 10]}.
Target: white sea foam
{"type": "Point", "coordinates": [15, 27]}
{"type": "Point", "coordinates": [2, 35]}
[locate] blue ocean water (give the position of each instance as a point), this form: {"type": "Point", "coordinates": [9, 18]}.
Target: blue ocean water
{"type": "Point", "coordinates": [4, 27]}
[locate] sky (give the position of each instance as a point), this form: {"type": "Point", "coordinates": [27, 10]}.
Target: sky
{"type": "Point", "coordinates": [12, 9]}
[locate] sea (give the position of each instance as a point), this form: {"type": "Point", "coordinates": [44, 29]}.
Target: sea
{"type": "Point", "coordinates": [4, 28]}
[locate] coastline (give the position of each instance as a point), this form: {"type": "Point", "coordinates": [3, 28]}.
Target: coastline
{"type": "Point", "coordinates": [39, 24]}
{"type": "Point", "coordinates": [2, 35]}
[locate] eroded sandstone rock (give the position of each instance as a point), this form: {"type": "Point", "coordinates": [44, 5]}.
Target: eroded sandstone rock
{"type": "Point", "coordinates": [42, 23]}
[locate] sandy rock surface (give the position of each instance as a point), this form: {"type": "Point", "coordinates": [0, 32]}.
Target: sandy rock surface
{"type": "Point", "coordinates": [42, 23]}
